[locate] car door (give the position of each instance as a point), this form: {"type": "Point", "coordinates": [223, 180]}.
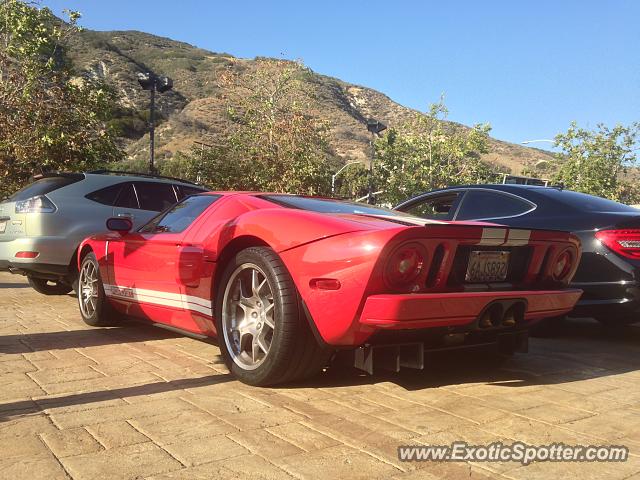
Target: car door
{"type": "Point", "coordinates": [151, 268]}
{"type": "Point", "coordinates": [140, 201]}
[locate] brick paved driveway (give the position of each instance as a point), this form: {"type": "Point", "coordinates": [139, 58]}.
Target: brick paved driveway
{"type": "Point", "coordinates": [139, 402]}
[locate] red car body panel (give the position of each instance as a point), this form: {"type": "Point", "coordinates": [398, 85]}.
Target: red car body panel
{"type": "Point", "coordinates": [169, 278]}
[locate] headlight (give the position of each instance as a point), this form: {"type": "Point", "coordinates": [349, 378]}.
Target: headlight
{"type": "Point", "coordinates": [39, 204]}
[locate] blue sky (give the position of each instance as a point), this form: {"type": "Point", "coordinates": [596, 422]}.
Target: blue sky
{"type": "Point", "coordinates": [526, 67]}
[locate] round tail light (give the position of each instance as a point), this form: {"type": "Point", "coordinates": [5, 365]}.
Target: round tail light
{"type": "Point", "coordinates": [562, 266]}
{"type": "Point", "coordinates": [405, 265]}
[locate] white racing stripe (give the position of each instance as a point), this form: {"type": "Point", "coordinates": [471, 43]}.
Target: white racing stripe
{"type": "Point", "coordinates": [167, 299]}
{"type": "Point", "coordinates": [493, 236]}
{"type": "Point", "coordinates": [504, 237]}
{"type": "Point", "coordinates": [518, 237]}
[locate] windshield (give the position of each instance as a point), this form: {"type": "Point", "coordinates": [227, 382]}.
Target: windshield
{"type": "Point", "coordinates": [44, 186]}
{"type": "Point", "coordinates": [328, 205]}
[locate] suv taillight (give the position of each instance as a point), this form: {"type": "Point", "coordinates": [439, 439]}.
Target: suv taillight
{"type": "Point", "coordinates": [39, 204]}
{"type": "Point", "coordinates": [622, 242]}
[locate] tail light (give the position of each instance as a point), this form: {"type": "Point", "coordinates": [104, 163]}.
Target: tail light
{"type": "Point", "coordinates": [39, 204]}
{"type": "Point", "coordinates": [405, 265]}
{"type": "Point", "coordinates": [562, 266]}
{"type": "Point", "coordinates": [622, 242]}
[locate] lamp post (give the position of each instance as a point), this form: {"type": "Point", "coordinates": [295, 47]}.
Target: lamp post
{"type": "Point", "coordinates": [152, 82]}
{"type": "Point", "coordinates": [375, 127]}
{"type": "Point", "coordinates": [333, 177]}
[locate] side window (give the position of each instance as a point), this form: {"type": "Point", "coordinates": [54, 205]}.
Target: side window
{"type": "Point", "coordinates": [440, 207]}
{"type": "Point", "coordinates": [481, 204]}
{"type": "Point", "coordinates": [127, 197]}
{"type": "Point", "coordinates": [180, 216]}
{"type": "Point", "coordinates": [107, 195]}
{"type": "Point", "coordinates": [185, 191]}
{"type": "Point", "coordinates": [155, 196]}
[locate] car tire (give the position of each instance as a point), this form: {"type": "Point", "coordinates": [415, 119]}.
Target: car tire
{"type": "Point", "coordinates": [94, 305]}
{"type": "Point", "coordinates": [48, 287]}
{"type": "Point", "coordinates": [619, 320]}
{"type": "Point", "coordinates": [263, 332]}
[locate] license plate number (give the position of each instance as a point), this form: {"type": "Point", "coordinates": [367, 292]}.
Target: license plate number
{"type": "Point", "coordinates": [485, 267]}
{"type": "Point", "coordinates": [3, 226]}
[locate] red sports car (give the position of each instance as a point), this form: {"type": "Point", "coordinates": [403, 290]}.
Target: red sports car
{"type": "Point", "coordinates": [285, 281]}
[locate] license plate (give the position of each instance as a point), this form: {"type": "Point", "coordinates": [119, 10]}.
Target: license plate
{"type": "Point", "coordinates": [3, 226]}
{"type": "Point", "coordinates": [485, 267]}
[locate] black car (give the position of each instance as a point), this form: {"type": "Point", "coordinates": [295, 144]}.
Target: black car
{"type": "Point", "coordinates": [609, 272]}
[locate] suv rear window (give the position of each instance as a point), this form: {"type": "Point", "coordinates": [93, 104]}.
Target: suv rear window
{"type": "Point", "coordinates": [45, 185]}
{"type": "Point", "coordinates": [155, 196]}
{"type": "Point", "coordinates": [107, 195]}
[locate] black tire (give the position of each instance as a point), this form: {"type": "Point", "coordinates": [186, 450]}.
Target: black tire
{"type": "Point", "coordinates": [293, 353]}
{"type": "Point", "coordinates": [618, 320]}
{"type": "Point", "coordinates": [102, 315]}
{"type": "Point", "coordinates": [48, 287]}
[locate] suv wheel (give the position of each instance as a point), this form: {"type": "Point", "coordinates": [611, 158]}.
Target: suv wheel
{"type": "Point", "coordinates": [49, 287]}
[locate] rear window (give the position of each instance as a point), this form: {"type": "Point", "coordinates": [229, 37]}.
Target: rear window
{"type": "Point", "coordinates": [44, 186]}
{"type": "Point", "coordinates": [585, 202]}
{"type": "Point", "coordinates": [155, 197]}
{"type": "Point", "coordinates": [106, 196]}
{"type": "Point", "coordinates": [185, 191]}
{"type": "Point", "coordinates": [327, 205]}
{"type": "Point", "coordinates": [481, 204]}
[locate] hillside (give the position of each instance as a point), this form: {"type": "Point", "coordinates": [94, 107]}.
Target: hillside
{"type": "Point", "coordinates": [193, 111]}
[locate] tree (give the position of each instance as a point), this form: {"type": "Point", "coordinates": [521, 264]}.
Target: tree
{"type": "Point", "coordinates": [596, 161]}
{"type": "Point", "coordinates": [429, 153]}
{"type": "Point", "coordinates": [50, 118]}
{"type": "Point", "coordinates": [274, 141]}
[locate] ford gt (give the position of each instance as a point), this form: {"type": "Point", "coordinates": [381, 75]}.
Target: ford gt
{"type": "Point", "coordinates": [284, 281]}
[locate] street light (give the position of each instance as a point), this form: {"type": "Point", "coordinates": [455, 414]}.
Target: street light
{"type": "Point", "coordinates": [333, 177]}
{"type": "Point", "coordinates": [154, 83]}
{"type": "Point", "coordinates": [375, 127]}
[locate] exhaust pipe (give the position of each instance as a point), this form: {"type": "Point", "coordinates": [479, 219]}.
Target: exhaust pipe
{"type": "Point", "coordinates": [506, 313]}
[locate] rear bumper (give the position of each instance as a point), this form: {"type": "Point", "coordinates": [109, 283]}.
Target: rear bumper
{"type": "Point", "coordinates": [54, 255]}
{"type": "Point", "coordinates": [419, 311]}
{"type": "Point", "coordinates": [608, 299]}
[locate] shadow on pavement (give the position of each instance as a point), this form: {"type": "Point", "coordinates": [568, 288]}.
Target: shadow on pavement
{"type": "Point", "coordinates": [582, 349]}
{"type": "Point", "coordinates": [35, 342]}
{"type": "Point", "coordinates": [14, 285]}
{"type": "Point", "coordinates": [27, 407]}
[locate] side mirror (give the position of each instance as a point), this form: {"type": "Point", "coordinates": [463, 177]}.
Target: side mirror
{"type": "Point", "coordinates": [120, 225]}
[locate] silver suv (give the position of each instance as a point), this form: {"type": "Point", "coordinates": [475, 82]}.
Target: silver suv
{"type": "Point", "coordinates": [42, 225]}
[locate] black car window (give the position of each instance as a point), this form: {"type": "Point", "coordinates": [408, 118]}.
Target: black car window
{"type": "Point", "coordinates": [185, 191]}
{"type": "Point", "coordinates": [180, 216]}
{"type": "Point", "coordinates": [438, 207]}
{"type": "Point", "coordinates": [483, 204]}
{"type": "Point", "coordinates": [155, 196]}
{"type": "Point", "coordinates": [107, 195]}
{"type": "Point", "coordinates": [127, 197]}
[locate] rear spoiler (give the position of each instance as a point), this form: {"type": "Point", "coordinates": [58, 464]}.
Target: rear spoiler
{"type": "Point", "coordinates": [40, 176]}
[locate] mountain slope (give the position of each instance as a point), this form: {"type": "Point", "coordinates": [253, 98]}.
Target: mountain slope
{"type": "Point", "coordinates": [193, 112]}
